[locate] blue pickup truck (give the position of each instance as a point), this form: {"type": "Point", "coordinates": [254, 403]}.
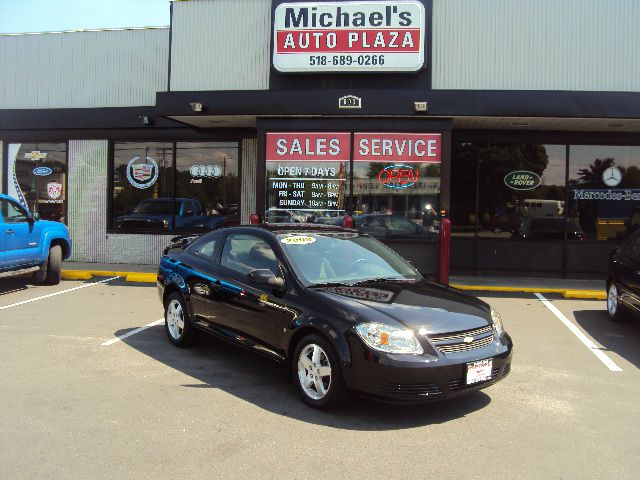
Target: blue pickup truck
{"type": "Point", "coordinates": [31, 245]}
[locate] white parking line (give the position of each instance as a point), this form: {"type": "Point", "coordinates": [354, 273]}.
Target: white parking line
{"type": "Point", "coordinates": [611, 365]}
{"type": "Point", "coordinates": [132, 332]}
{"type": "Point", "coordinates": [57, 293]}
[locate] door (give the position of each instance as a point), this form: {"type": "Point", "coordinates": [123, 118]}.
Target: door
{"type": "Point", "coordinates": [252, 309]}
{"type": "Point", "coordinates": [628, 271]}
{"type": "Point", "coordinates": [20, 236]}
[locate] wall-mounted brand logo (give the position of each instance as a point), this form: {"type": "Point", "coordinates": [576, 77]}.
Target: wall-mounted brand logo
{"type": "Point", "coordinates": [35, 155]}
{"type": "Point", "coordinates": [142, 172]}
{"type": "Point", "coordinates": [398, 176]}
{"type": "Point", "coordinates": [522, 180]}
{"type": "Point", "coordinates": [349, 101]}
{"type": "Point", "coordinates": [612, 177]}
{"type": "Point", "coordinates": [345, 36]}
{"type": "Point", "coordinates": [210, 171]}
{"type": "Point", "coordinates": [54, 190]}
{"type": "Point", "coordinates": [42, 171]}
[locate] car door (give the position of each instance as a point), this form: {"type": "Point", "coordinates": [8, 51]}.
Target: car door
{"type": "Point", "coordinates": [254, 310]}
{"type": "Point", "coordinates": [631, 270]}
{"type": "Point", "coordinates": [20, 235]}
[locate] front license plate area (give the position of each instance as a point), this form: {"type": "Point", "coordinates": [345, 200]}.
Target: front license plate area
{"type": "Point", "coordinates": [479, 371]}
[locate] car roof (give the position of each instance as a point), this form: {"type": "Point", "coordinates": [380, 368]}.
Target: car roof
{"type": "Point", "coordinates": [279, 228]}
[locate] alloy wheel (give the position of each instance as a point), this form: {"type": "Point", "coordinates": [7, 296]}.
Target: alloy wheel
{"type": "Point", "coordinates": [612, 300]}
{"type": "Point", "coordinates": [314, 371]}
{"type": "Point", "coordinates": [175, 319]}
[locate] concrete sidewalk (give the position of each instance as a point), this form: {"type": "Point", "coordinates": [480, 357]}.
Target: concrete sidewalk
{"type": "Point", "coordinates": [569, 288]}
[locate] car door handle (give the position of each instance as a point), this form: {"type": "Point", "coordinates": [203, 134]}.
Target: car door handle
{"type": "Point", "coordinates": [10, 232]}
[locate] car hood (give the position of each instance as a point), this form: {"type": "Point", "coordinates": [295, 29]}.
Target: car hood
{"type": "Point", "coordinates": [416, 305]}
{"type": "Point", "coordinates": [143, 217]}
{"type": "Point", "coordinates": [51, 225]}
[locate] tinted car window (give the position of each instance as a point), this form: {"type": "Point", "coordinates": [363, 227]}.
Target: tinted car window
{"type": "Point", "coordinates": [11, 212]}
{"type": "Point", "coordinates": [204, 247]}
{"type": "Point", "coordinates": [245, 253]}
{"type": "Point", "coordinates": [632, 247]}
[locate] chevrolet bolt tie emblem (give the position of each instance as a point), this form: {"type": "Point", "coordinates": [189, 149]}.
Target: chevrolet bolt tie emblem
{"type": "Point", "coordinates": [468, 339]}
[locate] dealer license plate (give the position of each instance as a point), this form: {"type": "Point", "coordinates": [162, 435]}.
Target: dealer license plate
{"type": "Point", "coordinates": [479, 371]}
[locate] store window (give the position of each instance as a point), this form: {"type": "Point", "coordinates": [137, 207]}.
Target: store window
{"type": "Point", "coordinates": [519, 190]}
{"type": "Point", "coordinates": [206, 193]}
{"type": "Point", "coordinates": [37, 178]}
{"type": "Point", "coordinates": [142, 186]}
{"type": "Point", "coordinates": [604, 190]}
{"type": "Point", "coordinates": [396, 184]}
{"type": "Point", "coordinates": [207, 178]}
{"type": "Point", "coordinates": [307, 177]}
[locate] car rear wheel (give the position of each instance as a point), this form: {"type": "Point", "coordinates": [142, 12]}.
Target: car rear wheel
{"type": "Point", "coordinates": [176, 321]}
{"type": "Point", "coordinates": [614, 309]}
{"type": "Point", "coordinates": [317, 373]}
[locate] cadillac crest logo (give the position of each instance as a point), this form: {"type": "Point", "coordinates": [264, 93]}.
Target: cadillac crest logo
{"type": "Point", "coordinates": [142, 173]}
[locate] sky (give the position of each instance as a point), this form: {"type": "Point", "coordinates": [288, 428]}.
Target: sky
{"type": "Point", "coordinates": [18, 16]}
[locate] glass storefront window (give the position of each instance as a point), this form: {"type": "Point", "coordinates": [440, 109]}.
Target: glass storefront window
{"type": "Point", "coordinates": [38, 178]}
{"type": "Point", "coordinates": [396, 184]}
{"type": "Point", "coordinates": [307, 177]}
{"type": "Point", "coordinates": [142, 186]}
{"type": "Point", "coordinates": [207, 176]}
{"type": "Point", "coordinates": [521, 191]}
{"type": "Point", "coordinates": [604, 190]}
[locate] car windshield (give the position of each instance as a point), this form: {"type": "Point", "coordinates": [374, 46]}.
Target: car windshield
{"type": "Point", "coordinates": [343, 257]}
{"type": "Point", "coordinates": [155, 207]}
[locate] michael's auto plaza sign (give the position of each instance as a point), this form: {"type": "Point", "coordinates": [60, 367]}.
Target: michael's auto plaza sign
{"type": "Point", "coordinates": [349, 36]}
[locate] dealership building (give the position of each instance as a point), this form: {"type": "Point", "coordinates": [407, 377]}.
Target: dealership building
{"type": "Point", "coordinates": [520, 119]}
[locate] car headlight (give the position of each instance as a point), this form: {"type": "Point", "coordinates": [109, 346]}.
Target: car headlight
{"type": "Point", "coordinates": [386, 338]}
{"type": "Point", "coordinates": [497, 323]}
{"type": "Point", "coordinates": [165, 224]}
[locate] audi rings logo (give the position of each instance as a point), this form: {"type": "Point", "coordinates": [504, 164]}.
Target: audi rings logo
{"type": "Point", "coordinates": [208, 171]}
{"type": "Point", "coordinates": [142, 172]}
{"type": "Point", "coordinates": [612, 177]}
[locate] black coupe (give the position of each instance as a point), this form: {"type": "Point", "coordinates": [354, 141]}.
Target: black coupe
{"type": "Point", "coordinates": [341, 309]}
{"type": "Point", "coordinates": [623, 284]}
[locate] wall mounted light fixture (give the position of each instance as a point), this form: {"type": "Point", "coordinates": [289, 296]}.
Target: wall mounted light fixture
{"type": "Point", "coordinates": [196, 106]}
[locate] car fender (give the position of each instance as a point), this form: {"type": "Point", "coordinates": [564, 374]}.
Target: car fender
{"type": "Point", "coordinates": [303, 325]}
{"type": "Point", "coordinates": [48, 237]}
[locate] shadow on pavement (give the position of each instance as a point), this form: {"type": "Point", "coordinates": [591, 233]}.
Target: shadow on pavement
{"type": "Point", "coordinates": [621, 338]}
{"type": "Point", "coordinates": [14, 284]}
{"type": "Point", "coordinates": [215, 364]}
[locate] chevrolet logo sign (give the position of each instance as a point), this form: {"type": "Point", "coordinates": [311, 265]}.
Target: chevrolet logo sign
{"type": "Point", "coordinates": [468, 339]}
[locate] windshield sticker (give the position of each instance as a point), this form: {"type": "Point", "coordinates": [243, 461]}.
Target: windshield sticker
{"type": "Point", "coordinates": [298, 240]}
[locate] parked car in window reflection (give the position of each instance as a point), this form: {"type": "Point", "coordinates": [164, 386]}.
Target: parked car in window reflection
{"type": "Point", "coordinates": [549, 228]}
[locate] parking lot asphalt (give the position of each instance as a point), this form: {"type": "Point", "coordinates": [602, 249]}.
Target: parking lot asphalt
{"type": "Point", "coordinates": [78, 402]}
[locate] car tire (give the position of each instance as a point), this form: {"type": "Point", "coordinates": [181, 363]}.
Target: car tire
{"type": "Point", "coordinates": [177, 323]}
{"type": "Point", "coordinates": [319, 377]}
{"type": "Point", "coordinates": [54, 266]}
{"type": "Point", "coordinates": [614, 309]}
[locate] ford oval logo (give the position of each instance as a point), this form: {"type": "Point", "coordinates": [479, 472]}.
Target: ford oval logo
{"type": "Point", "coordinates": [42, 171]}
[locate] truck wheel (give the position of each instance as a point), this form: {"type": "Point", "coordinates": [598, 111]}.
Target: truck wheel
{"type": "Point", "coordinates": [41, 275]}
{"type": "Point", "coordinates": [54, 266]}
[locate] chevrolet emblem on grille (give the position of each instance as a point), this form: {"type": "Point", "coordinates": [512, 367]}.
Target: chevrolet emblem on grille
{"type": "Point", "coordinates": [468, 339]}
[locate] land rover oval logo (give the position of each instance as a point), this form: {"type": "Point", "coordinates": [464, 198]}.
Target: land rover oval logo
{"type": "Point", "coordinates": [522, 180]}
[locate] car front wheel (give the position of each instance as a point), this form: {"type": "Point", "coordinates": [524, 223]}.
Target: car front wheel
{"type": "Point", "coordinates": [51, 270]}
{"type": "Point", "coordinates": [176, 321]}
{"type": "Point", "coordinates": [614, 309]}
{"type": "Point", "coordinates": [317, 373]}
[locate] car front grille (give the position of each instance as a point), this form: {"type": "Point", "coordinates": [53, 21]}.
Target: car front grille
{"type": "Point", "coordinates": [455, 342]}
{"type": "Point", "coordinates": [421, 389]}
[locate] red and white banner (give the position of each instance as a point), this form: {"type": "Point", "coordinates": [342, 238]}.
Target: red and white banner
{"type": "Point", "coordinates": [397, 147]}
{"type": "Point", "coordinates": [308, 146]}
{"type": "Point", "coordinates": [373, 36]}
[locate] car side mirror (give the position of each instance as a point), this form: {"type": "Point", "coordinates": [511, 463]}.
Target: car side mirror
{"type": "Point", "coordinates": [266, 276]}
{"type": "Point", "coordinates": [34, 217]}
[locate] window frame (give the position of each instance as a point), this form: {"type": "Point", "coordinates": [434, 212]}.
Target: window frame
{"type": "Point", "coordinates": [239, 274]}
{"type": "Point", "coordinates": [171, 231]}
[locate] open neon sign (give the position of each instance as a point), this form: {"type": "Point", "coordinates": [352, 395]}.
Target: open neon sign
{"type": "Point", "coordinates": [398, 176]}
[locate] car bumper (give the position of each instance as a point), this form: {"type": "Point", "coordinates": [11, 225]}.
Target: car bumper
{"type": "Point", "coordinates": [421, 378]}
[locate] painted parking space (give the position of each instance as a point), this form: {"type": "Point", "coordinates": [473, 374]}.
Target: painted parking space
{"type": "Point", "coordinates": [139, 392]}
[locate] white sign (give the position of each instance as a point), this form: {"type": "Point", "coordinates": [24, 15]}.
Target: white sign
{"type": "Point", "coordinates": [381, 36]}
{"type": "Point", "coordinates": [612, 177]}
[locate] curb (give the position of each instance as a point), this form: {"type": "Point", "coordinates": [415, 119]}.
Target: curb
{"type": "Point", "coordinates": [565, 292]}
{"type": "Point", "coordinates": [142, 277]}
{"type": "Point", "coordinates": [138, 277]}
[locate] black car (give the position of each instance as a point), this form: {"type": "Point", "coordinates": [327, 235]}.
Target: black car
{"type": "Point", "coordinates": [381, 225]}
{"type": "Point", "coordinates": [342, 310]}
{"type": "Point", "coordinates": [623, 284]}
